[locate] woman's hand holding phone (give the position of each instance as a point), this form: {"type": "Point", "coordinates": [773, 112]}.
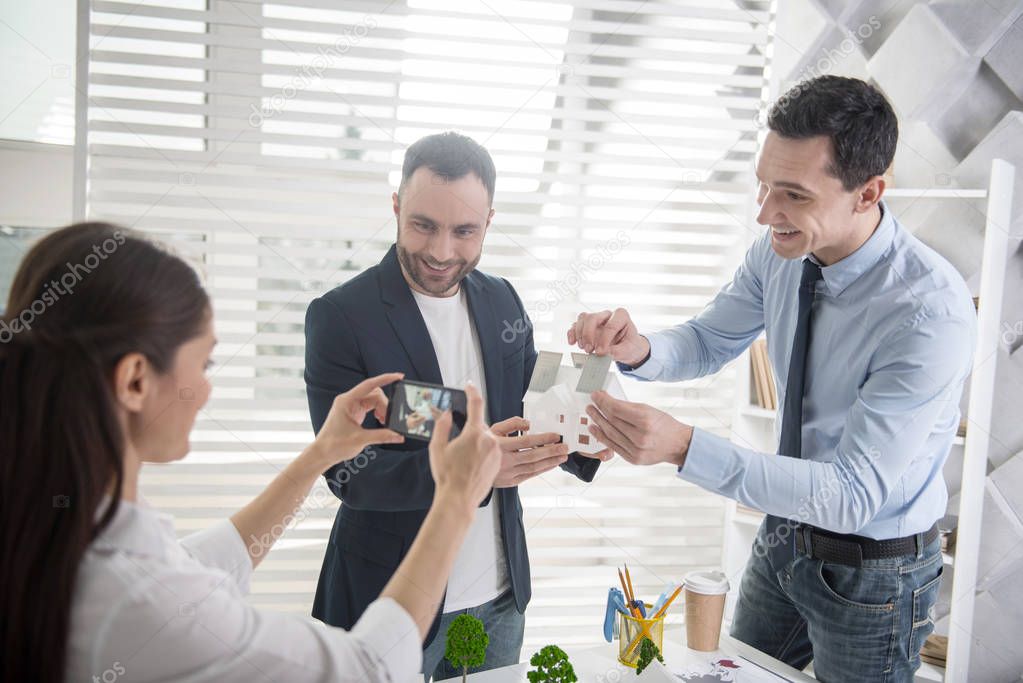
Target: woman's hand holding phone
{"type": "Point", "coordinates": [342, 436]}
{"type": "Point", "coordinates": [464, 468]}
{"type": "Point", "coordinates": [463, 471]}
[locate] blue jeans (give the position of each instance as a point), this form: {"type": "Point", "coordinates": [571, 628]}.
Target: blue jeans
{"type": "Point", "coordinates": [503, 623]}
{"type": "Point", "coordinates": [855, 623]}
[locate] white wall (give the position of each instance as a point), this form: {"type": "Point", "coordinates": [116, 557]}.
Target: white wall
{"type": "Point", "coordinates": [35, 184]}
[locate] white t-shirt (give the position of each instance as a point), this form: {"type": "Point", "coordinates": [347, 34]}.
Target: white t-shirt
{"type": "Point", "coordinates": [480, 573]}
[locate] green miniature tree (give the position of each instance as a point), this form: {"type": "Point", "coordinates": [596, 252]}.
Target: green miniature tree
{"type": "Point", "coordinates": [552, 666]}
{"type": "Point", "coordinates": [467, 643]}
{"type": "Point", "coordinates": [648, 652]}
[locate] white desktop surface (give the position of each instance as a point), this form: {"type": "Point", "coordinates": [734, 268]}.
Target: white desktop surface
{"type": "Point", "coordinates": [600, 664]}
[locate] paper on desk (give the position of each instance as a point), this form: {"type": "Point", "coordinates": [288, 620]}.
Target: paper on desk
{"type": "Point", "coordinates": [656, 673]}
{"type": "Point", "coordinates": [737, 669]}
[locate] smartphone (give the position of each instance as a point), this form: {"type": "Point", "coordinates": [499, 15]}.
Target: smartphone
{"type": "Point", "coordinates": [414, 407]}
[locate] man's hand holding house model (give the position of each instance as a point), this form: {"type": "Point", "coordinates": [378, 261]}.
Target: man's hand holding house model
{"type": "Point", "coordinates": [640, 433]}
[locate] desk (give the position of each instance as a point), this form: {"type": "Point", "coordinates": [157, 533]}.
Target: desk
{"type": "Point", "coordinates": [600, 664]}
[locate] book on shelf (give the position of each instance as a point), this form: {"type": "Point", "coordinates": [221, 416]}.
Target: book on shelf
{"type": "Point", "coordinates": [935, 649]}
{"type": "Point", "coordinates": [757, 396]}
{"type": "Point", "coordinates": [763, 377]}
{"type": "Point", "coordinates": [772, 390]}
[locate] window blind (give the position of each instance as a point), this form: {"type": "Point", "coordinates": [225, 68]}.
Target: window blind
{"type": "Point", "coordinates": [263, 140]}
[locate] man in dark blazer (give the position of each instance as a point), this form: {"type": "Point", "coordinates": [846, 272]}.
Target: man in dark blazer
{"type": "Point", "coordinates": [386, 320]}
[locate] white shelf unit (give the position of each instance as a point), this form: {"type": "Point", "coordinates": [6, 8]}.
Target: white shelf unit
{"type": "Point", "coordinates": [754, 427]}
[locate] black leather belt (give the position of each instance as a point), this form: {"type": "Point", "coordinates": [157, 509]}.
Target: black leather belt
{"type": "Point", "coordinates": [852, 550]}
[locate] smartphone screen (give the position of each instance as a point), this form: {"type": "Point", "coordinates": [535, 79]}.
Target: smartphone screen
{"type": "Point", "coordinates": [415, 407]}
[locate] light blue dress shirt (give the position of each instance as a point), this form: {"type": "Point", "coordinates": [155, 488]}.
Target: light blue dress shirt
{"type": "Point", "coordinates": [891, 345]}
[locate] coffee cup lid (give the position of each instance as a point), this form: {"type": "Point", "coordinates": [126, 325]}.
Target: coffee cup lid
{"type": "Point", "coordinates": [711, 582]}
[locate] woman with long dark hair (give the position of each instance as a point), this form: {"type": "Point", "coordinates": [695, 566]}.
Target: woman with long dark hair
{"type": "Point", "coordinates": [104, 348]}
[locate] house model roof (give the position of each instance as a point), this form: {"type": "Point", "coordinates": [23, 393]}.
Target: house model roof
{"type": "Point", "coordinates": [548, 372]}
{"type": "Point", "coordinates": [558, 396]}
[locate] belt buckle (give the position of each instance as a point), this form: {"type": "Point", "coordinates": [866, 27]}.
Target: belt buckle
{"type": "Point", "coordinates": [857, 559]}
{"type": "Point", "coordinates": [806, 535]}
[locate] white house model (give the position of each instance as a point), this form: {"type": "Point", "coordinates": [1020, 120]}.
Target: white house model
{"type": "Point", "coordinates": [558, 394]}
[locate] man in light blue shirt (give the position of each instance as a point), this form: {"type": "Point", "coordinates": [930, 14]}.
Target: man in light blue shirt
{"type": "Point", "coordinates": [870, 359]}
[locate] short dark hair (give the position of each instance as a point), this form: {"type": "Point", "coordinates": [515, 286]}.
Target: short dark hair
{"type": "Point", "coordinates": [854, 114]}
{"type": "Point", "coordinates": [450, 155]}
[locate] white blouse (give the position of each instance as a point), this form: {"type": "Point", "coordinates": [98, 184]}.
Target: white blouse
{"type": "Point", "coordinates": [147, 607]}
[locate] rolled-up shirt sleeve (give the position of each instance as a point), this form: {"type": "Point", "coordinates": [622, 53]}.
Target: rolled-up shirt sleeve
{"type": "Point", "coordinates": [220, 546]}
{"type": "Point", "coordinates": [192, 626]}
{"type": "Point", "coordinates": [383, 647]}
{"type": "Point", "coordinates": [391, 639]}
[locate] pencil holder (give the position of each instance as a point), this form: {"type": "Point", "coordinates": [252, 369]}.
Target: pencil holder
{"type": "Point", "coordinates": [631, 633]}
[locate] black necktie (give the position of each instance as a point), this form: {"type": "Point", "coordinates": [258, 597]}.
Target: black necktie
{"type": "Point", "coordinates": [781, 540]}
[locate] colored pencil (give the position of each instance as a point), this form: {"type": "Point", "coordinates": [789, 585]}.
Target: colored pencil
{"type": "Point", "coordinates": [628, 580]}
{"type": "Point", "coordinates": [625, 591]}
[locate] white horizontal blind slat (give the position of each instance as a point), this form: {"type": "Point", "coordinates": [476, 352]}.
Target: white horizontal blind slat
{"type": "Point", "coordinates": [263, 139]}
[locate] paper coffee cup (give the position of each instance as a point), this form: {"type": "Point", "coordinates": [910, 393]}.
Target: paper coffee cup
{"type": "Point", "coordinates": [705, 606]}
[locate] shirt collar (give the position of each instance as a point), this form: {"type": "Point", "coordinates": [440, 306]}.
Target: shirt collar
{"type": "Point", "coordinates": [838, 276]}
{"type": "Point", "coordinates": [135, 529]}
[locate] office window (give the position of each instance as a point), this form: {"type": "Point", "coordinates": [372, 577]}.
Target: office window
{"type": "Point", "coordinates": [37, 82]}
{"type": "Point", "coordinates": [265, 139]}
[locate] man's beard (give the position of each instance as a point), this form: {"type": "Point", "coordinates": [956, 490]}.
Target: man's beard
{"type": "Point", "coordinates": [415, 267]}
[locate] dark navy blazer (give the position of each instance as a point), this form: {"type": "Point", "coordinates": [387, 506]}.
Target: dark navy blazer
{"type": "Point", "coordinates": [372, 325]}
